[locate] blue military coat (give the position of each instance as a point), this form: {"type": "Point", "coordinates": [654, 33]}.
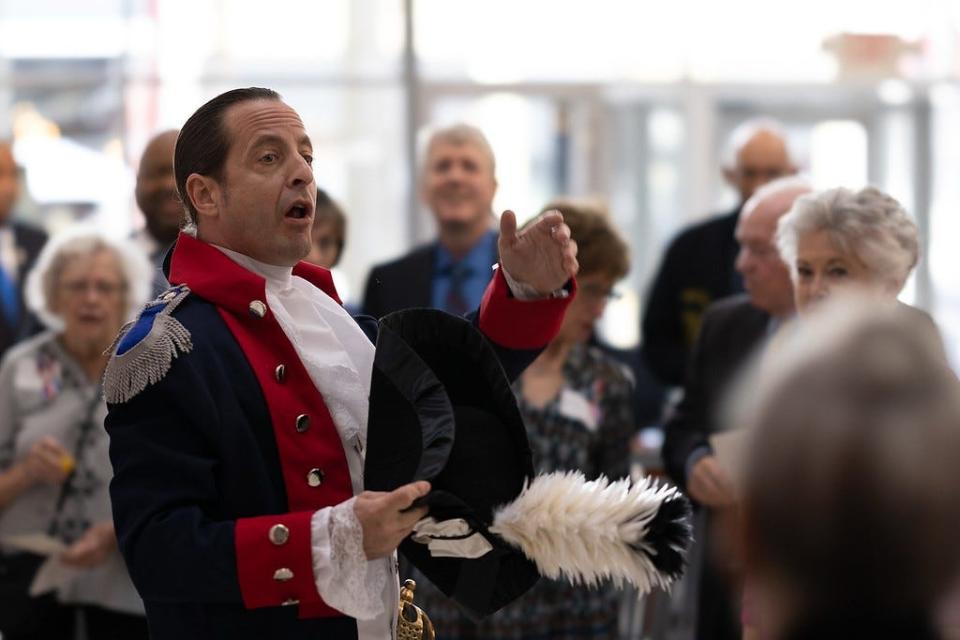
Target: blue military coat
{"type": "Point", "coordinates": [223, 449]}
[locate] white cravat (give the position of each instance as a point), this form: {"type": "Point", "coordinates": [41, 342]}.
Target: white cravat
{"type": "Point", "coordinates": [338, 357]}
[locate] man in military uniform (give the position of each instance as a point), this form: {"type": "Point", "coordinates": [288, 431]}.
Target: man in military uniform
{"type": "Point", "coordinates": [238, 399]}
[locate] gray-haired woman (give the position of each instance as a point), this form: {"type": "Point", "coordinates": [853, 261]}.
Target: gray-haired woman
{"type": "Point", "coordinates": [835, 241]}
{"type": "Point", "coordinates": [838, 238]}
{"type": "Point", "coordinates": [54, 467]}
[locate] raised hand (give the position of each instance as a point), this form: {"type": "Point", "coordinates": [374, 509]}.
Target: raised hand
{"type": "Point", "coordinates": [542, 255]}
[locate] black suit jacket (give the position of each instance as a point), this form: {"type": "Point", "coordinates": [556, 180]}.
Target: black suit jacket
{"type": "Point", "coordinates": [404, 283]}
{"type": "Point", "coordinates": [697, 270]}
{"type": "Point", "coordinates": [732, 331]}
{"type": "Point", "coordinates": [401, 284]}
{"type": "Point", "coordinates": [29, 241]}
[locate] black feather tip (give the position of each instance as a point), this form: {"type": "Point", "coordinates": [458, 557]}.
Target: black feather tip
{"type": "Point", "coordinates": [669, 536]}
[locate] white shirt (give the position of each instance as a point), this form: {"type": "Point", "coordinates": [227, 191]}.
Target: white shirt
{"type": "Point", "coordinates": [8, 252]}
{"type": "Point", "coordinates": [338, 357]}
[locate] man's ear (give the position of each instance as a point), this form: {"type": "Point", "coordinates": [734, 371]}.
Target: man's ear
{"type": "Point", "coordinates": [204, 194]}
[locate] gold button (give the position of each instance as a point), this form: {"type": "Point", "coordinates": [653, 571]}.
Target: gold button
{"type": "Point", "coordinates": [280, 373]}
{"type": "Point", "coordinates": [315, 477]}
{"type": "Point", "coordinates": [289, 602]}
{"type": "Point", "coordinates": [303, 422]}
{"type": "Point", "coordinates": [258, 308]}
{"type": "Point", "coordinates": [279, 534]}
{"type": "Point", "coordinates": [283, 574]}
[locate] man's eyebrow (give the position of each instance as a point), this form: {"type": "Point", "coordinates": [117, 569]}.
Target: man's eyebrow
{"type": "Point", "coordinates": [264, 139]}
{"type": "Point", "coordinates": [305, 141]}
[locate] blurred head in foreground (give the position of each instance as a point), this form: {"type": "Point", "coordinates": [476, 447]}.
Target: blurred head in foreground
{"type": "Point", "coordinates": [851, 510]}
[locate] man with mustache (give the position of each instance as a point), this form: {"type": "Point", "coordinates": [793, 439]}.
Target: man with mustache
{"type": "Point", "coordinates": [450, 273]}
{"type": "Point", "coordinates": [157, 198]}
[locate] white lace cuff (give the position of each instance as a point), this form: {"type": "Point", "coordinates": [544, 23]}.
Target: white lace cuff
{"type": "Point", "coordinates": [523, 291]}
{"type": "Point", "coordinates": [345, 579]}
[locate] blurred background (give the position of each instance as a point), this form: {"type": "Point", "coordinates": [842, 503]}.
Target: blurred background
{"type": "Point", "coordinates": [623, 100]}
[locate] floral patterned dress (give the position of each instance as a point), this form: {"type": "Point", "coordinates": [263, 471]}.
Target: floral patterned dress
{"type": "Point", "coordinates": [586, 426]}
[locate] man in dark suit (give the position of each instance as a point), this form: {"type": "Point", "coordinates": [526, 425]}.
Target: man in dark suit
{"type": "Point", "coordinates": [19, 246]}
{"type": "Point", "coordinates": [732, 330]}
{"type": "Point", "coordinates": [157, 198]}
{"type": "Point", "coordinates": [698, 266]}
{"type": "Point", "coordinates": [450, 273]}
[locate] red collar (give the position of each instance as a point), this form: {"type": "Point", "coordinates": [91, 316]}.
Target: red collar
{"type": "Point", "coordinates": [213, 276]}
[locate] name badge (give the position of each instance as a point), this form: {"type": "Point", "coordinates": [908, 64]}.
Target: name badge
{"type": "Point", "coordinates": [577, 407]}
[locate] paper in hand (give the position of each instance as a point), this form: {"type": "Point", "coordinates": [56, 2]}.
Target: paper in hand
{"type": "Point", "coordinates": [40, 544]}
{"type": "Point", "coordinates": [53, 575]}
{"type": "Point", "coordinates": [730, 450]}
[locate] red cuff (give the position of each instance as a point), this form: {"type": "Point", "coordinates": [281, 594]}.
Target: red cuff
{"type": "Point", "coordinates": [275, 563]}
{"type": "Point", "coordinates": [521, 324]}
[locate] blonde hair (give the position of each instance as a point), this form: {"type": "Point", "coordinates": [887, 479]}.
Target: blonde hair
{"type": "Point", "coordinates": [462, 133]}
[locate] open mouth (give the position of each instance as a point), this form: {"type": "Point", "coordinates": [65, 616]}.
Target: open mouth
{"type": "Point", "coordinates": [298, 212]}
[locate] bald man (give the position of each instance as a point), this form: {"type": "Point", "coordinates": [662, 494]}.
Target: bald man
{"type": "Point", "coordinates": [156, 194]}
{"type": "Point", "coordinates": [698, 266]}
{"type": "Point", "coordinates": [733, 329]}
{"type": "Point", "coordinates": [19, 246]}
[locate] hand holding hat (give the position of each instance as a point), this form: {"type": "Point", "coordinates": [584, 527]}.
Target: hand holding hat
{"type": "Point", "coordinates": [386, 518]}
{"type": "Point", "coordinates": [441, 409]}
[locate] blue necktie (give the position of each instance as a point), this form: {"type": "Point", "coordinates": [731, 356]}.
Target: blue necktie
{"type": "Point", "coordinates": [9, 298]}
{"type": "Point", "coordinates": [456, 301]}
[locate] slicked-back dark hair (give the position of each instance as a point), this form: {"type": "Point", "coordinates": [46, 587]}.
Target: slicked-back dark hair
{"type": "Point", "coordinates": [203, 142]}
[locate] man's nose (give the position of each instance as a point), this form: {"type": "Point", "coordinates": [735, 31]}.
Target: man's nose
{"type": "Point", "coordinates": [302, 172]}
{"type": "Point", "coordinates": [455, 173]}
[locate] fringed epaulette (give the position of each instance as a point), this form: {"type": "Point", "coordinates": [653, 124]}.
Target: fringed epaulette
{"type": "Point", "coordinates": [144, 350]}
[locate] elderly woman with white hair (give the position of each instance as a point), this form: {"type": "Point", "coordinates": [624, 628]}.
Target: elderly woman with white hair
{"type": "Point", "coordinates": [841, 241]}
{"type": "Point", "coordinates": [54, 466]}
{"type": "Point", "coordinates": [838, 238]}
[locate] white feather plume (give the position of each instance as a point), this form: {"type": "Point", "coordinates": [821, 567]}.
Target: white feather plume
{"type": "Point", "coordinates": [587, 531]}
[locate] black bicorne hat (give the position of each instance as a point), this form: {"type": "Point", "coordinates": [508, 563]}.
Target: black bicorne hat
{"type": "Point", "coordinates": [442, 410]}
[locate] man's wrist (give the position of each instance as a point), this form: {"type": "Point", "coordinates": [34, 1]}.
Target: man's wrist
{"type": "Point", "coordinates": [524, 291]}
